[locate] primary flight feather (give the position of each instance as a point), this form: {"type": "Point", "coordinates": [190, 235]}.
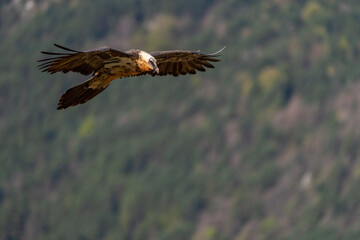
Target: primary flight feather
{"type": "Point", "coordinates": [107, 64]}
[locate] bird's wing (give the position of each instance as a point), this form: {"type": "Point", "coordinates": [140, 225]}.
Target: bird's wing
{"type": "Point", "coordinates": [183, 62]}
{"type": "Point", "coordinates": [76, 61]}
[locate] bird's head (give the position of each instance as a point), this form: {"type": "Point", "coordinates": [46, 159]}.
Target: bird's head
{"type": "Point", "coordinates": [150, 61]}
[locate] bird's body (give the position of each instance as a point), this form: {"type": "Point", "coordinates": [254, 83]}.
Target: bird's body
{"type": "Point", "coordinates": [107, 64]}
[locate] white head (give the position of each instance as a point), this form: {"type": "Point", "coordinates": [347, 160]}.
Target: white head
{"type": "Point", "coordinates": [150, 61]}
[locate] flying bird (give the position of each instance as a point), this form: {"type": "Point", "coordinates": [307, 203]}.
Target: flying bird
{"type": "Point", "coordinates": [106, 64]}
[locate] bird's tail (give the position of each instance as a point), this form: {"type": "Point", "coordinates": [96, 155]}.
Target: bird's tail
{"type": "Point", "coordinates": [78, 95]}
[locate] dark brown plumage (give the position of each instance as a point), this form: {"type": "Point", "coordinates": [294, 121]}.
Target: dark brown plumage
{"type": "Point", "coordinates": [107, 64]}
{"type": "Point", "coordinates": [78, 95]}
{"type": "Point", "coordinates": [80, 62]}
{"type": "Point", "coordinates": [183, 62]}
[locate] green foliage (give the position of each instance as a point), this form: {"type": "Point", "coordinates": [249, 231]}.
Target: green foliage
{"type": "Point", "coordinates": [219, 155]}
{"type": "Point", "coordinates": [87, 127]}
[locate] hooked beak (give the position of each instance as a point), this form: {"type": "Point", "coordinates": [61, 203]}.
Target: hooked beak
{"type": "Point", "coordinates": [154, 66]}
{"type": "Point", "coordinates": [156, 70]}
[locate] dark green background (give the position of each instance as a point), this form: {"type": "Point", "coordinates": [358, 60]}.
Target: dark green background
{"type": "Point", "coordinates": [265, 146]}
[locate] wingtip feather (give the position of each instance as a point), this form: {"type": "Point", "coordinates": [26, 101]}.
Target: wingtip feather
{"type": "Point", "coordinates": [65, 48]}
{"type": "Point", "coordinates": [217, 53]}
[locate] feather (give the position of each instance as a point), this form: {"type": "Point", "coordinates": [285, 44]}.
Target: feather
{"type": "Point", "coordinates": [185, 61]}
{"type": "Point", "coordinates": [78, 95]}
{"type": "Point", "coordinates": [77, 61]}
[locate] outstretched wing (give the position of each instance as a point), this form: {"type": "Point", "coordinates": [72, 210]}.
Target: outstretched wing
{"type": "Point", "coordinates": [81, 62]}
{"type": "Point", "coordinates": [183, 62]}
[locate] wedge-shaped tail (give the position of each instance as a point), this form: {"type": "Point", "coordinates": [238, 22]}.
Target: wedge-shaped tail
{"type": "Point", "coordinates": [78, 95]}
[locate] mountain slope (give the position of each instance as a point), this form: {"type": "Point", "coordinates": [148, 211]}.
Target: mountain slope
{"type": "Point", "coordinates": [263, 146]}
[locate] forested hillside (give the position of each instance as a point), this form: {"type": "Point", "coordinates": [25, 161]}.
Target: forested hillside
{"type": "Point", "coordinates": [264, 146]}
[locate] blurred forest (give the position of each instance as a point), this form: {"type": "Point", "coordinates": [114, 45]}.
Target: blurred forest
{"type": "Point", "coordinates": [265, 146]}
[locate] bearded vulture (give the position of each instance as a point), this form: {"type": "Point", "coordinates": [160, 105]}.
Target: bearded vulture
{"type": "Point", "coordinates": [107, 64]}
